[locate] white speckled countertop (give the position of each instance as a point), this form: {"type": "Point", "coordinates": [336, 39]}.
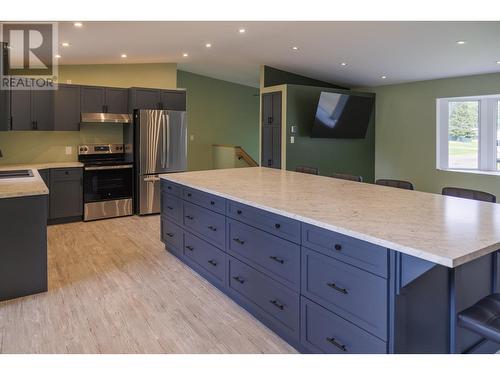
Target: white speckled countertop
{"type": "Point", "coordinates": [445, 230]}
{"type": "Point", "coordinates": [26, 186]}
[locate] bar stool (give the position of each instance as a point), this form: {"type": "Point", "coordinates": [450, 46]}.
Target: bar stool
{"type": "Point", "coordinates": [483, 318]}
{"type": "Point", "coordinates": [469, 194]}
{"type": "Point", "coordinates": [308, 170]}
{"type": "Point", "coordinates": [395, 183]}
{"type": "Point", "coordinates": [349, 177]}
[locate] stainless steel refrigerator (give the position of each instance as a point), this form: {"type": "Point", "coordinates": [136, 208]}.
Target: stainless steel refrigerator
{"type": "Point", "coordinates": [160, 146]}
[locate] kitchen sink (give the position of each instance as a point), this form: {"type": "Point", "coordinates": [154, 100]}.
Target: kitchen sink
{"type": "Point", "coordinates": [16, 173]}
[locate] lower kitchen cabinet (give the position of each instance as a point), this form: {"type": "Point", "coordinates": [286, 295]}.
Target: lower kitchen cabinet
{"type": "Point", "coordinates": [65, 194]}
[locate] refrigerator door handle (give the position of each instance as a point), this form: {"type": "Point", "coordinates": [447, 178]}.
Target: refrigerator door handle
{"type": "Point", "coordinates": [168, 142]}
{"type": "Point", "coordinates": [164, 141]}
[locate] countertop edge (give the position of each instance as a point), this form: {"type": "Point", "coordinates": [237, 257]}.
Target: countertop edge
{"type": "Point", "coordinates": [418, 253]}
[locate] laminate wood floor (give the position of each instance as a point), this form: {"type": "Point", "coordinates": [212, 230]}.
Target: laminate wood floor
{"type": "Point", "coordinates": [114, 289]}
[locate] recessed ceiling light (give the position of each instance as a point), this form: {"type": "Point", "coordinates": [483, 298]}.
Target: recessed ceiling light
{"type": "Point", "coordinates": [78, 24]}
{"type": "Point", "coordinates": [461, 42]}
{"type": "Point", "coordinates": [295, 48]}
{"type": "Point", "coordinates": [498, 62]}
{"type": "Point", "coordinates": [123, 55]}
{"type": "Point", "coordinates": [57, 56]}
{"type": "Point", "coordinates": [65, 44]}
{"type": "Point", "coordinates": [343, 63]}
{"type": "Point", "coordinates": [242, 31]}
{"type": "Point", "coordinates": [383, 77]}
{"type": "Point", "coordinates": [185, 54]}
{"type": "Point", "coordinates": [208, 45]}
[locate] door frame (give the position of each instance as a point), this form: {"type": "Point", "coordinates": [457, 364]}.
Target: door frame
{"type": "Point", "coordinates": [283, 90]}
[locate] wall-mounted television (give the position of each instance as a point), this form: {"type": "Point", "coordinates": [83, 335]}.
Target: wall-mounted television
{"type": "Point", "coordinates": [342, 115]}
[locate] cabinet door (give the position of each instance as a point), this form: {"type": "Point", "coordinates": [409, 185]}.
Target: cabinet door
{"type": "Point", "coordinates": [4, 110]}
{"type": "Point", "coordinates": [20, 110]}
{"type": "Point", "coordinates": [92, 99]}
{"type": "Point", "coordinates": [271, 130]}
{"type": "Point", "coordinates": [66, 193]}
{"type": "Point", "coordinates": [173, 100]}
{"type": "Point", "coordinates": [67, 108]}
{"type": "Point", "coordinates": [144, 99]}
{"type": "Point", "coordinates": [116, 100]}
{"type": "Point", "coordinates": [42, 109]}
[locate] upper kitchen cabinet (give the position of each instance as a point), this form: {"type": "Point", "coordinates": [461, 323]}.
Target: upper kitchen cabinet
{"type": "Point", "coordinates": [173, 100]}
{"type": "Point", "coordinates": [4, 110]}
{"type": "Point", "coordinates": [32, 110]}
{"type": "Point", "coordinates": [67, 108]}
{"type": "Point", "coordinates": [147, 98]}
{"type": "Point", "coordinates": [144, 98]}
{"type": "Point", "coordinates": [96, 99]}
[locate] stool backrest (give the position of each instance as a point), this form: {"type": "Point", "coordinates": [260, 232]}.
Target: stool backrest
{"type": "Point", "coordinates": [469, 194]}
{"type": "Point", "coordinates": [349, 177]}
{"type": "Point", "coordinates": [305, 169]}
{"type": "Point", "coordinates": [395, 183]}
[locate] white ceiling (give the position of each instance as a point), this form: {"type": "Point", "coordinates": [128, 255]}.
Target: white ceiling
{"type": "Point", "coordinates": [403, 51]}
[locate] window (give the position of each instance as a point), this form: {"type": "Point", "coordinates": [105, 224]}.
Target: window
{"type": "Point", "coordinates": [468, 133]}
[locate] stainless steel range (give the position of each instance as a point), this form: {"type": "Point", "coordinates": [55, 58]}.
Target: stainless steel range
{"type": "Point", "coordinates": [108, 181]}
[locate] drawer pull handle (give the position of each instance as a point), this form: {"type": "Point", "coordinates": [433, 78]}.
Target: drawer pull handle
{"type": "Point", "coordinates": [338, 289]}
{"type": "Point", "coordinates": [276, 259]}
{"type": "Point", "coordinates": [239, 212]}
{"type": "Point", "coordinates": [212, 262]}
{"type": "Point", "coordinates": [239, 279]}
{"type": "Point", "coordinates": [189, 194]}
{"type": "Point", "coordinates": [189, 217]}
{"type": "Point", "coordinates": [277, 304]}
{"type": "Point", "coordinates": [237, 240]}
{"type": "Point", "coordinates": [338, 247]}
{"type": "Point", "coordinates": [190, 248]}
{"type": "Point", "coordinates": [332, 340]}
{"type": "Point", "coordinates": [277, 226]}
{"type": "Point", "coordinates": [170, 234]}
{"type": "Point", "coordinates": [212, 203]}
{"type": "Point", "coordinates": [212, 228]}
{"type": "Point", "coordinates": [169, 187]}
{"type": "Point", "coordinates": [170, 207]}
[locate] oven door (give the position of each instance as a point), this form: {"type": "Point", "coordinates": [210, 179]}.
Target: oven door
{"type": "Point", "coordinates": [105, 183]}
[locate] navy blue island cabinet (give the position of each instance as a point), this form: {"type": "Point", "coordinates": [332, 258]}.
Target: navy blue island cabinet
{"type": "Point", "coordinates": [321, 291]}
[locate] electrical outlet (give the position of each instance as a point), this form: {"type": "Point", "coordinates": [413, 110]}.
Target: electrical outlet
{"type": "Point", "coordinates": [191, 137]}
{"type": "Point", "coordinates": [292, 139]}
{"type": "Point", "coordinates": [68, 81]}
{"type": "Point", "coordinates": [69, 150]}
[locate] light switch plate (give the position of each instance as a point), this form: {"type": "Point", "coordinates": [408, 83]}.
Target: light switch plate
{"type": "Point", "coordinates": [293, 129]}
{"type": "Point", "coordinates": [292, 139]}
{"type": "Point", "coordinates": [191, 137]}
{"type": "Point", "coordinates": [69, 150]}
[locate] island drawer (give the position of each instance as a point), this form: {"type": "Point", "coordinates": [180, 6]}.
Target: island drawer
{"type": "Point", "coordinates": [326, 332]}
{"type": "Point", "coordinates": [359, 253]}
{"type": "Point", "coordinates": [266, 295]}
{"type": "Point", "coordinates": [172, 236]}
{"type": "Point", "coordinates": [212, 202]}
{"type": "Point", "coordinates": [171, 188]}
{"type": "Point", "coordinates": [278, 258]}
{"type": "Point", "coordinates": [206, 256]}
{"type": "Point", "coordinates": [209, 225]}
{"type": "Point", "coordinates": [354, 294]}
{"type": "Point", "coordinates": [171, 207]}
{"type": "Point", "coordinates": [278, 225]}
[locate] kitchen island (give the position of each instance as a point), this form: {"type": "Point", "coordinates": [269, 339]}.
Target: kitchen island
{"type": "Point", "coordinates": [336, 266]}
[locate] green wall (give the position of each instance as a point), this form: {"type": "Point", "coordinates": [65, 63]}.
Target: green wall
{"type": "Point", "coordinates": [351, 156]}
{"type": "Point", "coordinates": [406, 132]}
{"type": "Point", "coordinates": [219, 112]}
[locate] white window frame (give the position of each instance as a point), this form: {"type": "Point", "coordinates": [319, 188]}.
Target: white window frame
{"type": "Point", "coordinates": [487, 133]}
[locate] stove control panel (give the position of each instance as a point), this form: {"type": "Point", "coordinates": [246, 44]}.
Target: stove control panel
{"type": "Point", "coordinates": [101, 149]}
